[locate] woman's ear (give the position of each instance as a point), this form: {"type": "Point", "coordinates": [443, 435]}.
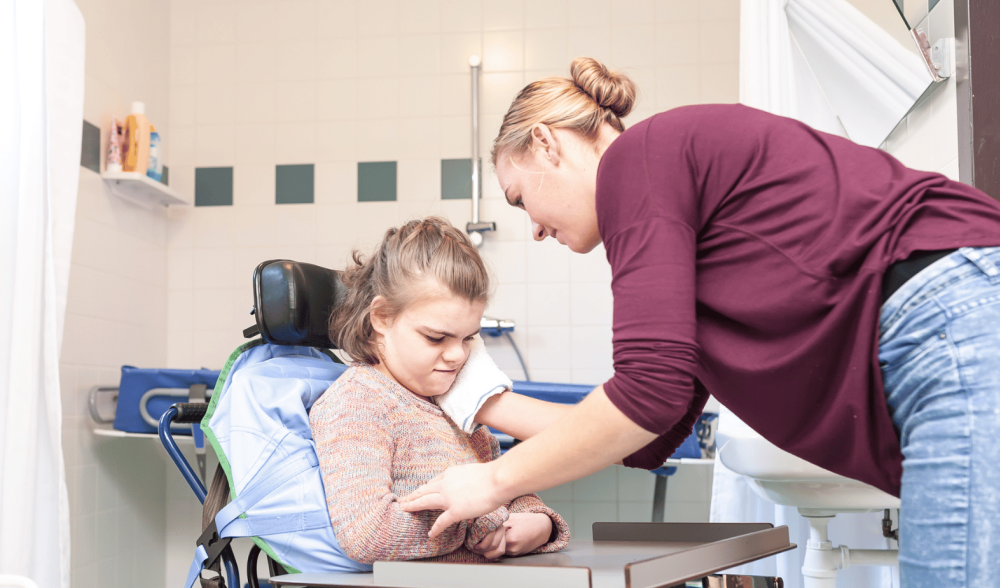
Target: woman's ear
{"type": "Point", "coordinates": [377, 316]}
{"type": "Point", "coordinates": [544, 143]}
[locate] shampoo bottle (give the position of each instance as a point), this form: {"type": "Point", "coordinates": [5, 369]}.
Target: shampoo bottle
{"type": "Point", "coordinates": [115, 146]}
{"type": "Point", "coordinates": [155, 169]}
{"type": "Point", "coordinates": [135, 142]}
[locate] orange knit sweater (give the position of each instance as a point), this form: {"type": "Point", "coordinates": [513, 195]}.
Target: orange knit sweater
{"type": "Point", "coordinates": [376, 441]}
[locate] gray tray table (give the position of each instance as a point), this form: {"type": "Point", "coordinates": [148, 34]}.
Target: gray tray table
{"type": "Point", "coordinates": [622, 555]}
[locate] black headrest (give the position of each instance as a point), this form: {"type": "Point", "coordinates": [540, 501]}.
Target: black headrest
{"type": "Point", "coordinates": [292, 302]}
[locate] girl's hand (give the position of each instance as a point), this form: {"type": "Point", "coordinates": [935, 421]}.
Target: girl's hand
{"type": "Point", "coordinates": [526, 532]}
{"type": "Point", "coordinates": [493, 545]}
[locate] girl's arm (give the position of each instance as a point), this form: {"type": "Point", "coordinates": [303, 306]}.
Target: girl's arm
{"type": "Point", "coordinates": [531, 504]}
{"type": "Point", "coordinates": [354, 442]}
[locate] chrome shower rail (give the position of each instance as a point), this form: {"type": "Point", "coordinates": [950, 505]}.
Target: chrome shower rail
{"type": "Point", "coordinates": [476, 228]}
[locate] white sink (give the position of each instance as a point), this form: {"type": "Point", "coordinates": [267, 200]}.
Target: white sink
{"type": "Point", "coordinates": [818, 494]}
{"type": "Point", "coordinates": [782, 478]}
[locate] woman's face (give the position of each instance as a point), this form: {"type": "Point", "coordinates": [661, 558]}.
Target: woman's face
{"type": "Point", "coordinates": [554, 181]}
{"type": "Point", "coordinates": [426, 344]}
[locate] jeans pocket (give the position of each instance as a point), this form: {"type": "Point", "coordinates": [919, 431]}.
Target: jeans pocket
{"type": "Point", "coordinates": [925, 375]}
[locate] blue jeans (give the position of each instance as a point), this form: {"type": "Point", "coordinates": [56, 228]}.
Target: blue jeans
{"type": "Point", "coordinates": [939, 350]}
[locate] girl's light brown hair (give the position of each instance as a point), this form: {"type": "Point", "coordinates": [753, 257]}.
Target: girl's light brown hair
{"type": "Point", "coordinates": [592, 96]}
{"type": "Point", "coordinates": [398, 271]}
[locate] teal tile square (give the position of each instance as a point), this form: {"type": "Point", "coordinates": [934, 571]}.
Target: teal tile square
{"type": "Point", "coordinates": [294, 184]}
{"type": "Point", "coordinates": [376, 181]}
{"type": "Point", "coordinates": [456, 179]}
{"type": "Point", "coordinates": [213, 186]}
{"type": "Point", "coordinates": [90, 152]}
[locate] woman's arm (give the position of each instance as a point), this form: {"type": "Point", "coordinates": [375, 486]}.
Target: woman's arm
{"type": "Point", "coordinates": [521, 417]}
{"type": "Point", "coordinates": [591, 436]}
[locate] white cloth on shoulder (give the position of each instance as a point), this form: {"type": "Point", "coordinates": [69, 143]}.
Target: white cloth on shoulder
{"type": "Point", "coordinates": [478, 379]}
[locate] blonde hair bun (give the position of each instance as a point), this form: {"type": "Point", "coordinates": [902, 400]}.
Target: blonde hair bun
{"type": "Point", "coordinates": [611, 90]}
{"type": "Point", "coordinates": [594, 97]}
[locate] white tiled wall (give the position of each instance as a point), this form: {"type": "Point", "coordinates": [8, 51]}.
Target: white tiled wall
{"type": "Point", "coordinates": [334, 83]}
{"type": "Point", "coordinates": [116, 313]}
{"type": "Point", "coordinates": [337, 82]}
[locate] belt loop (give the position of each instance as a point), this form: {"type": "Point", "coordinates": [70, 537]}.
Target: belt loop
{"type": "Point", "coordinates": [985, 264]}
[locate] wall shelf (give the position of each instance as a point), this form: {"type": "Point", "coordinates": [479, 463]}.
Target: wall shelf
{"type": "Point", "coordinates": [142, 190]}
{"type": "Point", "coordinates": [180, 439]}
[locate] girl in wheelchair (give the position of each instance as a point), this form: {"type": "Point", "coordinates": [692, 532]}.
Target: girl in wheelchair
{"type": "Point", "coordinates": [408, 320]}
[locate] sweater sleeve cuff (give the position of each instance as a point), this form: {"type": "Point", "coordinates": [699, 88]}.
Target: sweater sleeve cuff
{"type": "Point", "coordinates": [531, 503]}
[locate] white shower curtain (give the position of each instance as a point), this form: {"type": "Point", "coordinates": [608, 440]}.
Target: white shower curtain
{"type": "Point", "coordinates": [826, 64]}
{"type": "Point", "coordinates": [41, 121]}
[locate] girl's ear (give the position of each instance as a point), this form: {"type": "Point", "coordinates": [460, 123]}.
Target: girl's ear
{"type": "Point", "coordinates": [544, 143]}
{"type": "Point", "coordinates": [375, 313]}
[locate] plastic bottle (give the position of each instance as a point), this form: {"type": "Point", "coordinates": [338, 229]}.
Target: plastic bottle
{"type": "Point", "coordinates": [155, 169]}
{"type": "Point", "coordinates": [115, 146]}
{"type": "Point", "coordinates": [135, 143]}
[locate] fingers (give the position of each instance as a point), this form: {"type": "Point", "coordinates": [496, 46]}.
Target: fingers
{"type": "Point", "coordinates": [428, 488]}
{"type": "Point", "coordinates": [499, 550]}
{"type": "Point", "coordinates": [426, 502]}
{"type": "Point", "coordinates": [444, 521]}
{"type": "Point", "coordinates": [492, 545]}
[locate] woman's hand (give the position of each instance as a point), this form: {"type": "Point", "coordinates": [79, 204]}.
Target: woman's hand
{"type": "Point", "coordinates": [462, 492]}
{"type": "Point", "coordinates": [526, 532]}
{"type": "Point", "coordinates": [493, 545]}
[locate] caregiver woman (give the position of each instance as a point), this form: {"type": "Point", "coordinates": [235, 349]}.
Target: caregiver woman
{"type": "Point", "coordinates": [775, 267]}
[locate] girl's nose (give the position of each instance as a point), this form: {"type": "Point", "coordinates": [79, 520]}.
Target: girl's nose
{"type": "Point", "coordinates": [455, 354]}
{"type": "Point", "coordinates": [537, 231]}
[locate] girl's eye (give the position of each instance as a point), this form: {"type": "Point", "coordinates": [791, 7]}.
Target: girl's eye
{"type": "Point", "coordinates": [433, 340]}
{"type": "Point", "coordinates": [519, 202]}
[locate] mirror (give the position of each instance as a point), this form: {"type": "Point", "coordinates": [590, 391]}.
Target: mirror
{"type": "Point", "coordinates": [861, 67]}
{"type": "Point", "coordinates": [914, 11]}
{"type": "Point", "coordinates": [888, 16]}
{"type": "Point", "coordinates": [866, 71]}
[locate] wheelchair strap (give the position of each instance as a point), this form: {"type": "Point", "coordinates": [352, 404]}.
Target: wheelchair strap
{"type": "Point", "coordinates": [227, 518]}
{"type": "Point", "coordinates": [215, 500]}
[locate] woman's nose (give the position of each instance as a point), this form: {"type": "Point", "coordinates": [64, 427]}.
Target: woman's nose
{"type": "Point", "coordinates": [537, 231]}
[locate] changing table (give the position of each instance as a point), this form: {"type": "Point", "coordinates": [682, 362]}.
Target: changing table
{"type": "Point", "coordinates": [622, 555]}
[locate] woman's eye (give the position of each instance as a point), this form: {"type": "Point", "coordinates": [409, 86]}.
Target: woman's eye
{"type": "Point", "coordinates": [434, 340]}
{"type": "Point", "coordinates": [519, 202]}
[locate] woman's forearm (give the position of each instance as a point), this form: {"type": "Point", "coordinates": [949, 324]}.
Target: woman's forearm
{"type": "Point", "coordinates": [589, 437]}
{"type": "Point", "coordinates": [519, 416]}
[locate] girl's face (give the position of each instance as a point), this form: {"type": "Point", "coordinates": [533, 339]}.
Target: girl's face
{"type": "Point", "coordinates": [426, 344]}
{"type": "Point", "coordinates": [555, 183]}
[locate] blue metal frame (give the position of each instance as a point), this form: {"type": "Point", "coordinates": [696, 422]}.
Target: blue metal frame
{"type": "Point", "coordinates": [167, 438]}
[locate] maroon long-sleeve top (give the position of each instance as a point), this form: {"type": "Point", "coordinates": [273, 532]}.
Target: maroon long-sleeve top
{"type": "Point", "coordinates": [747, 253]}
